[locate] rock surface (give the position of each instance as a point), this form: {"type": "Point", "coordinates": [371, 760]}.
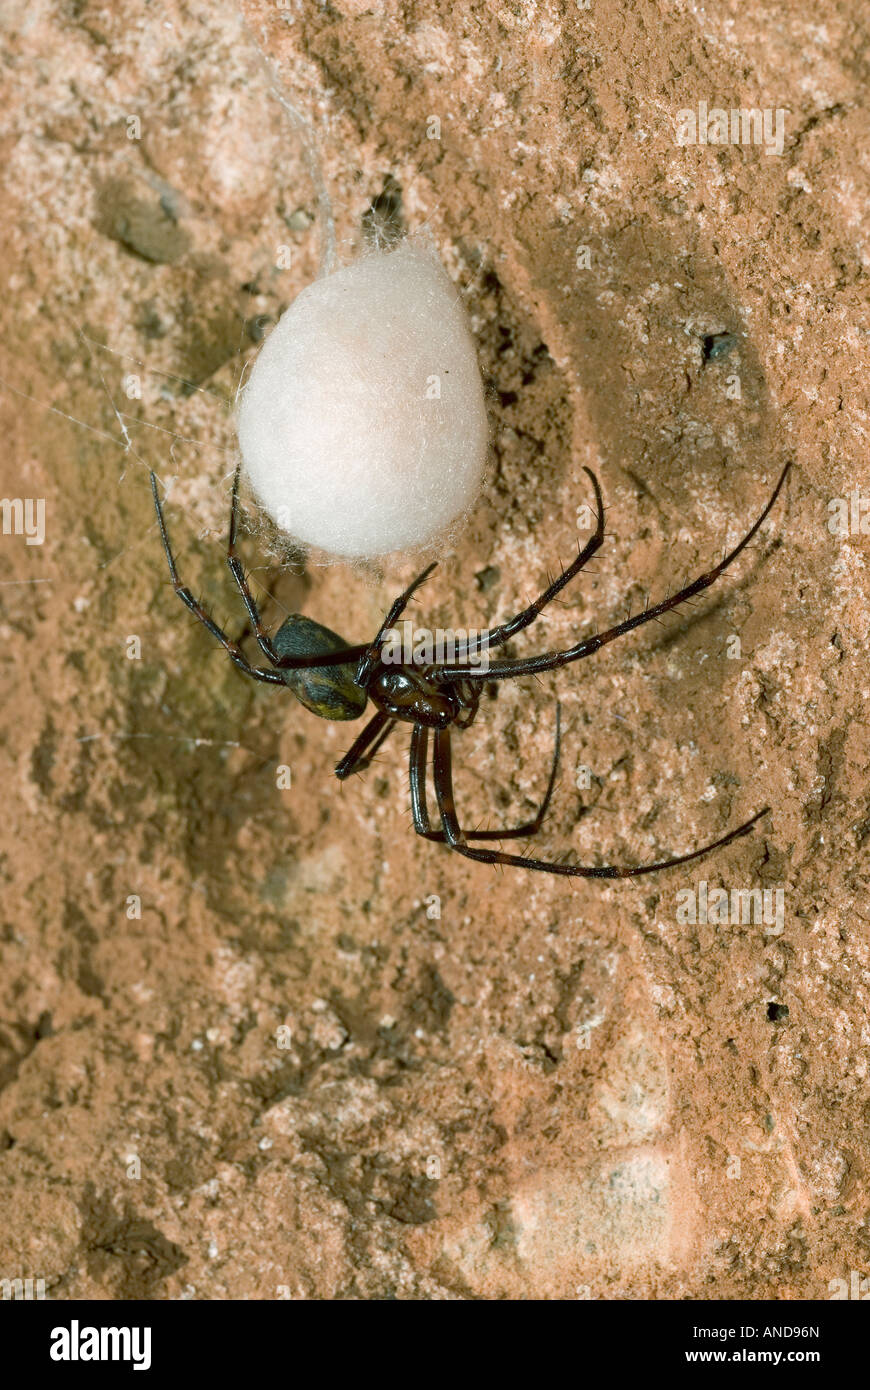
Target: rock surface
{"type": "Point", "coordinates": [257, 1040]}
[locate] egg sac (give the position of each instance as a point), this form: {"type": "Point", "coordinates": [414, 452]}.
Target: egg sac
{"type": "Point", "coordinates": [362, 426]}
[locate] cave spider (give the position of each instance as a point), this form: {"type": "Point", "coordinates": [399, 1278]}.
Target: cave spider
{"type": "Point", "coordinates": [336, 681]}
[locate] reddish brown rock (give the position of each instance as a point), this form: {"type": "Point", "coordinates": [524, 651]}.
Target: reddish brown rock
{"type": "Point", "coordinates": [488, 1083]}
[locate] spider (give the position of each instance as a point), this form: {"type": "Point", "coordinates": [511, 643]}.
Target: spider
{"type": "Point", "coordinates": [336, 681]}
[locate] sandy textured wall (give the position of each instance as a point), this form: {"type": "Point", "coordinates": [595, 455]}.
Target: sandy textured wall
{"type": "Point", "coordinates": [494, 1083]}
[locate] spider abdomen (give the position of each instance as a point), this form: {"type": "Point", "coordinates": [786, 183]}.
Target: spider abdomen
{"type": "Point", "coordinates": [329, 691]}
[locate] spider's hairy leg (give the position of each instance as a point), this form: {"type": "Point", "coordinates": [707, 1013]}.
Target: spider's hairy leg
{"type": "Point", "coordinates": [548, 661]}
{"type": "Point", "coordinates": [501, 634]}
{"type": "Point", "coordinates": [256, 672]}
{"type": "Point", "coordinates": [283, 663]}
{"type": "Point", "coordinates": [370, 656]}
{"type": "Point", "coordinates": [238, 573]}
{"type": "Point", "coordinates": [458, 840]}
{"type": "Point", "coordinates": [364, 747]}
{"type": "Point", "coordinates": [420, 810]}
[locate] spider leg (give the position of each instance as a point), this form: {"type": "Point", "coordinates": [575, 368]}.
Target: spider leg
{"type": "Point", "coordinates": [283, 663]}
{"type": "Point", "coordinates": [459, 841]}
{"type": "Point", "coordinates": [257, 672]}
{"type": "Point", "coordinates": [371, 652]}
{"type": "Point", "coordinates": [501, 634]}
{"type": "Point", "coordinates": [364, 747]}
{"type": "Point", "coordinates": [533, 665]}
{"type": "Point", "coordinates": [238, 573]}
{"type": "Point", "coordinates": [422, 823]}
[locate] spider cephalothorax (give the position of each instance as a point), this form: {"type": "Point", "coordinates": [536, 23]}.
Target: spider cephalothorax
{"type": "Point", "coordinates": [336, 681]}
{"type": "Point", "coordinates": [413, 697]}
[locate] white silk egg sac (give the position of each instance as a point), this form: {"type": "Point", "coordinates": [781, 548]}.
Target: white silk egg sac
{"type": "Point", "coordinates": [362, 426]}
